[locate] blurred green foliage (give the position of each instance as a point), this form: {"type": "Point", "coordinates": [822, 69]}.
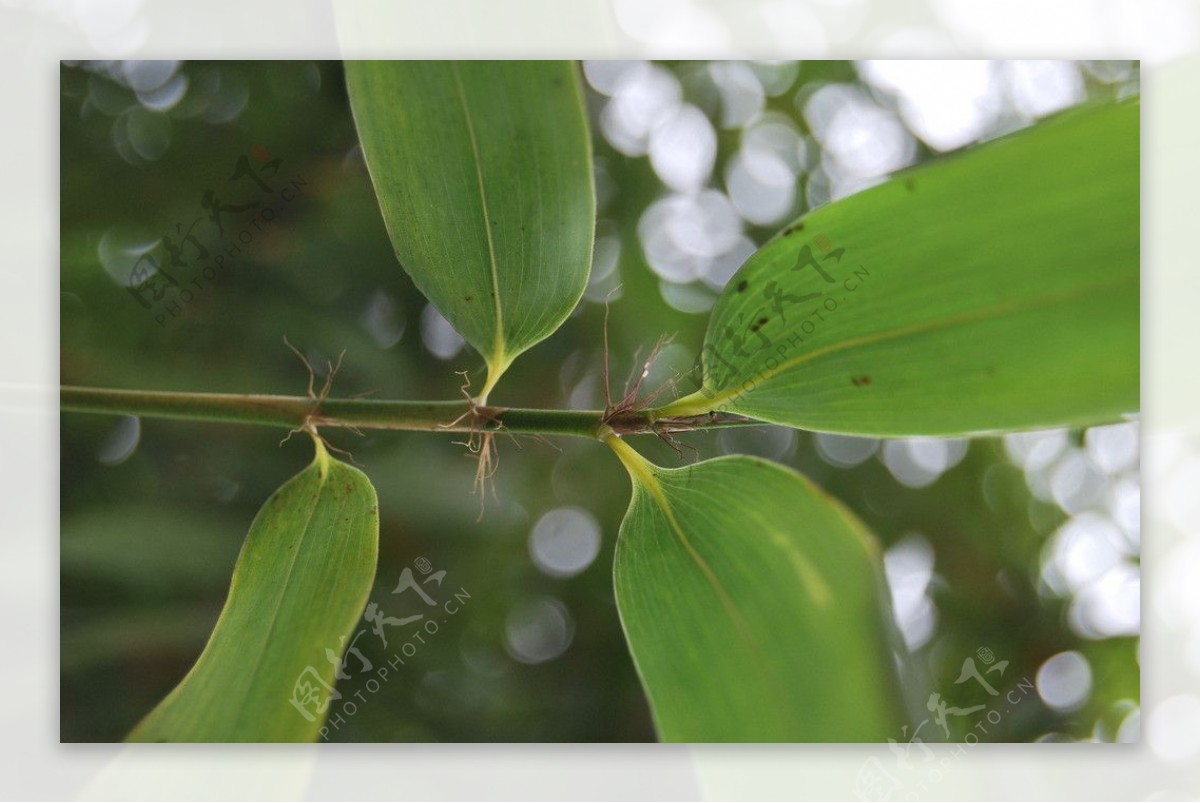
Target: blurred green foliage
{"type": "Point", "coordinates": [149, 536]}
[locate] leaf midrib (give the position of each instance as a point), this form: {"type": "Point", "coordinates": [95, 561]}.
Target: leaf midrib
{"type": "Point", "coordinates": [498, 350]}
{"type": "Point", "coordinates": [922, 327]}
{"type": "Point", "coordinates": [742, 626]}
{"type": "Point", "coordinates": [322, 476]}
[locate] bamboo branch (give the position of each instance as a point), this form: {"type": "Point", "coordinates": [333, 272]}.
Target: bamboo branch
{"type": "Point", "coordinates": [435, 416]}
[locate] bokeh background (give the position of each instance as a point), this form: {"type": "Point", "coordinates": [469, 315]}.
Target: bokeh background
{"type": "Point", "coordinates": [1024, 548]}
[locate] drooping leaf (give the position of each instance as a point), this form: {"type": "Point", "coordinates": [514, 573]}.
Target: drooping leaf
{"type": "Point", "coordinates": [298, 588]}
{"type": "Point", "coordinates": [754, 606]}
{"type": "Point", "coordinates": [484, 175]}
{"type": "Point", "coordinates": [993, 289]}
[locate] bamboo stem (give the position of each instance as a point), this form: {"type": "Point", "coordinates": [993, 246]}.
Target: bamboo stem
{"type": "Point", "coordinates": [434, 416]}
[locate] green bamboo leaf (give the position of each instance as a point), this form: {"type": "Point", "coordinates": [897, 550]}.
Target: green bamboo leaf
{"type": "Point", "coordinates": [298, 588]}
{"type": "Point", "coordinates": [484, 175]}
{"type": "Point", "coordinates": [992, 289]}
{"type": "Point", "coordinates": [754, 606]}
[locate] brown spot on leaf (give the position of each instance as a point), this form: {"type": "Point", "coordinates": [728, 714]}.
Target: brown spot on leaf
{"type": "Point", "coordinates": [468, 298]}
{"type": "Point", "coordinates": [795, 227]}
{"type": "Point", "coordinates": [860, 381]}
{"type": "Point", "coordinates": [742, 285]}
